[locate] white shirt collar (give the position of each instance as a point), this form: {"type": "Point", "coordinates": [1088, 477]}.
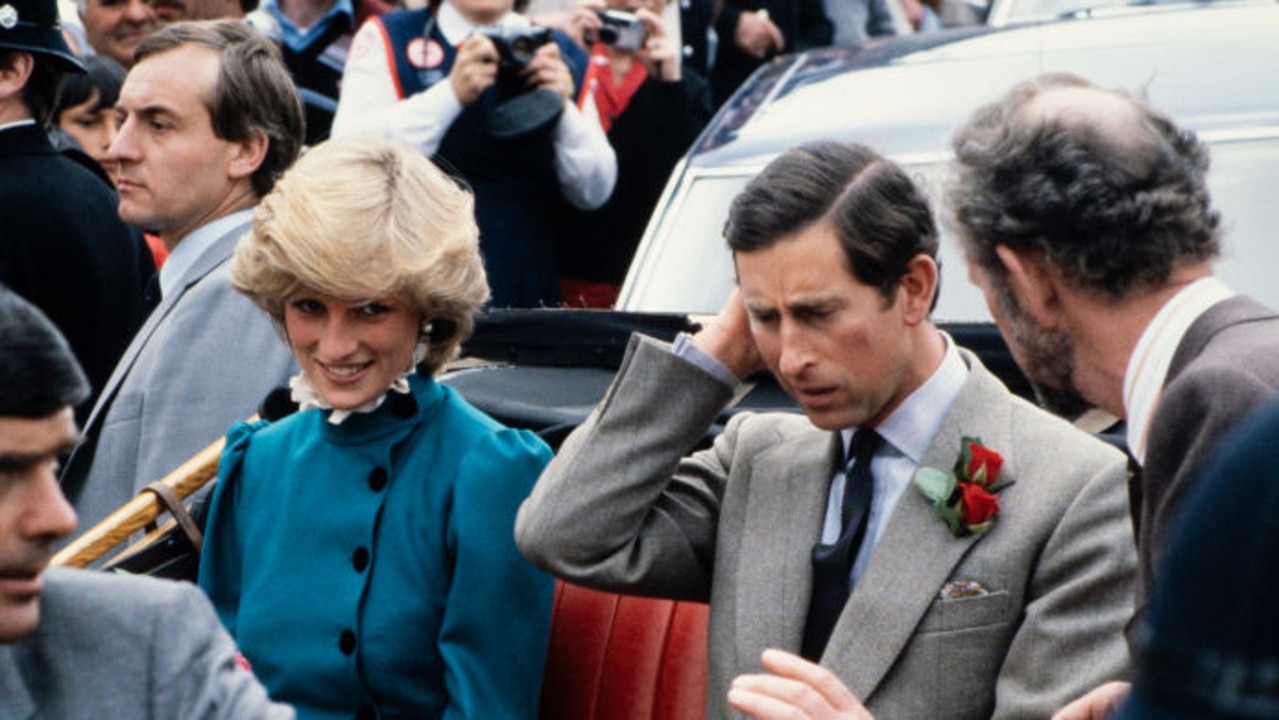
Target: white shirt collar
{"type": "Point", "coordinates": [456, 28]}
{"type": "Point", "coordinates": [17, 124]}
{"type": "Point", "coordinates": [190, 248]}
{"type": "Point", "coordinates": [1148, 366]}
{"type": "Point", "coordinates": [907, 433]}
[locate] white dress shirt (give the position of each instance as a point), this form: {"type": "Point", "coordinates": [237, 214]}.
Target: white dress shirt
{"type": "Point", "coordinates": [190, 248]}
{"type": "Point", "coordinates": [907, 433]}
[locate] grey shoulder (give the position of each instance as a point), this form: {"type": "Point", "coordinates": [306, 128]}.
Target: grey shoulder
{"type": "Point", "coordinates": [1034, 424]}
{"type": "Point", "coordinates": [111, 597]}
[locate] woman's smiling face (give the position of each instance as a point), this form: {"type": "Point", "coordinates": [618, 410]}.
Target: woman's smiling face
{"type": "Point", "coordinates": [351, 351]}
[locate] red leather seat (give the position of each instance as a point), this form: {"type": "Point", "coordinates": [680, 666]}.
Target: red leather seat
{"type": "Point", "coordinates": [620, 657]}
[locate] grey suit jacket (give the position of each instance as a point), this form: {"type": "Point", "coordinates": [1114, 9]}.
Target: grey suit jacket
{"type": "Point", "coordinates": [1226, 366]}
{"type": "Point", "coordinates": [620, 509]}
{"type": "Point", "coordinates": [127, 648]}
{"type": "Point", "coordinates": [205, 358]}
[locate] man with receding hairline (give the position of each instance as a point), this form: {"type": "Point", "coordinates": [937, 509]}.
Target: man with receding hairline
{"type": "Point", "coordinates": [1086, 219]}
{"type": "Point", "coordinates": [209, 120]}
{"type": "Point", "coordinates": [835, 588]}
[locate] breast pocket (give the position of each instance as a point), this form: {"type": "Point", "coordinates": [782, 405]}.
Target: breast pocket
{"type": "Point", "coordinates": [950, 615]}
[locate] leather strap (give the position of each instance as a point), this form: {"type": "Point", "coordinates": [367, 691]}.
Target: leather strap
{"type": "Point", "coordinates": [173, 504]}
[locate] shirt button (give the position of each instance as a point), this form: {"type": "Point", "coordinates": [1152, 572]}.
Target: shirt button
{"type": "Point", "coordinates": [346, 643]}
{"type": "Point", "coordinates": [360, 559]}
{"type": "Point", "coordinates": [377, 479]}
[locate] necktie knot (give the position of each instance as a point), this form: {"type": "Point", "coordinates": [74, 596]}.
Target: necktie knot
{"type": "Point", "coordinates": [863, 447]}
{"type": "Point", "coordinates": [857, 478]}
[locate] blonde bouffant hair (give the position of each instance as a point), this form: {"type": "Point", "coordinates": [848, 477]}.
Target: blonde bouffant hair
{"type": "Point", "coordinates": [366, 219]}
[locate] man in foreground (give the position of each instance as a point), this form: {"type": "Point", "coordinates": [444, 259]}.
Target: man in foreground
{"type": "Point", "coordinates": [78, 643]}
{"type": "Point", "coordinates": [819, 535]}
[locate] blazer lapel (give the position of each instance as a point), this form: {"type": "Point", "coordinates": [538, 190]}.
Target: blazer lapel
{"type": "Point", "coordinates": [216, 254]}
{"type": "Point", "coordinates": [789, 488]}
{"type": "Point", "coordinates": [1233, 311]}
{"type": "Point", "coordinates": [917, 553]}
{"type": "Point", "coordinates": [76, 471]}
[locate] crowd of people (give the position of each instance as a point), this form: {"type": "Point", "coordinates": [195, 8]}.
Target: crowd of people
{"type": "Point", "coordinates": [563, 185]}
{"type": "Point", "coordinates": [917, 542]}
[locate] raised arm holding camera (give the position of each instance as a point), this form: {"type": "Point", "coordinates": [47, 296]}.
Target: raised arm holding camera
{"type": "Point", "coordinates": [474, 86]}
{"type": "Point", "coordinates": [652, 109]}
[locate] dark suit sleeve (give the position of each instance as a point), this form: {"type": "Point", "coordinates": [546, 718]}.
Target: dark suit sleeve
{"type": "Point", "coordinates": [726, 21]}
{"type": "Point", "coordinates": [815, 29]}
{"type": "Point", "coordinates": [1197, 410]}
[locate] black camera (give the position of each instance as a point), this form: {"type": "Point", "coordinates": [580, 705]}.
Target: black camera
{"type": "Point", "coordinates": [621, 29]}
{"type": "Point", "coordinates": [516, 46]}
{"type": "Point", "coordinates": [520, 109]}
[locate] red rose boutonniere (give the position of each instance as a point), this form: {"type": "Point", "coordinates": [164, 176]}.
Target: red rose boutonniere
{"type": "Point", "coordinates": [967, 497]}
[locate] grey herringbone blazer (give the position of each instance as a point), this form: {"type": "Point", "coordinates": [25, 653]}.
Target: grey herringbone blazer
{"type": "Point", "coordinates": [620, 509]}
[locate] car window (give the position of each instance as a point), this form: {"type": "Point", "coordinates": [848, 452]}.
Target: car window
{"type": "Point", "coordinates": [684, 266]}
{"type": "Point", "coordinates": [1243, 178]}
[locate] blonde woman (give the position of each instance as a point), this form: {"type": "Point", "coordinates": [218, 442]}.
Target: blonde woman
{"type": "Point", "coordinates": [360, 550]}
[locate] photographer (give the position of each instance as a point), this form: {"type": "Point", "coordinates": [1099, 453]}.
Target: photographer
{"type": "Point", "coordinates": [652, 109]}
{"type": "Point", "coordinates": [473, 86]}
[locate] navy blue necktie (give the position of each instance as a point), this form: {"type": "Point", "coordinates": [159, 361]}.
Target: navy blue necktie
{"type": "Point", "coordinates": [833, 563]}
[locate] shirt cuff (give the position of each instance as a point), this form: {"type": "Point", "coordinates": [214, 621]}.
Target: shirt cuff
{"type": "Point", "coordinates": [686, 350]}
{"type": "Point", "coordinates": [584, 160]}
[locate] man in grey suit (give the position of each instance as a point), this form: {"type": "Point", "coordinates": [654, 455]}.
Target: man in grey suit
{"type": "Point", "coordinates": [1004, 604]}
{"type": "Point", "coordinates": [210, 119]}
{"type": "Point", "coordinates": [1096, 261]}
{"type": "Point", "coordinates": [78, 644]}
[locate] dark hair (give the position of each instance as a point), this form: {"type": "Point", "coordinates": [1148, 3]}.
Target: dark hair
{"type": "Point", "coordinates": [1112, 208]}
{"type": "Point", "coordinates": [40, 94]}
{"type": "Point", "coordinates": [254, 91]}
{"type": "Point", "coordinates": [880, 216]}
{"type": "Point", "coordinates": [101, 74]}
{"type": "Point", "coordinates": [39, 375]}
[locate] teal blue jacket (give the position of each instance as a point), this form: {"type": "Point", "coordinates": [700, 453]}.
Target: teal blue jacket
{"type": "Point", "coordinates": [371, 565]}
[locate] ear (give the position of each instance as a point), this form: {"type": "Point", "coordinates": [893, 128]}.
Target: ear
{"type": "Point", "coordinates": [1035, 288]}
{"type": "Point", "coordinates": [917, 287]}
{"type": "Point", "coordinates": [14, 77]}
{"type": "Point", "coordinates": [248, 156]}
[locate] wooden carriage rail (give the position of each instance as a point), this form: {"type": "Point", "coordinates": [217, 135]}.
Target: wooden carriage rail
{"type": "Point", "coordinates": [142, 510]}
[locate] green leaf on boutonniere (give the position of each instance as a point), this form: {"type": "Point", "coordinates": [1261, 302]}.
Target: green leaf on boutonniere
{"type": "Point", "coordinates": [939, 487]}
{"type": "Point", "coordinates": [967, 497]}
{"type": "Point", "coordinates": [935, 484]}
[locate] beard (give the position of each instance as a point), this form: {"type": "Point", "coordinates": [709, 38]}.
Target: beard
{"type": "Point", "coordinates": [1047, 359]}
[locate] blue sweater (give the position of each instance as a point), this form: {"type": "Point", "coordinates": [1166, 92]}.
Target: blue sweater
{"type": "Point", "coordinates": [371, 564]}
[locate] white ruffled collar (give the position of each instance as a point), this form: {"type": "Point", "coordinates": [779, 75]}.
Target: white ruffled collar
{"type": "Point", "coordinates": [305, 395]}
